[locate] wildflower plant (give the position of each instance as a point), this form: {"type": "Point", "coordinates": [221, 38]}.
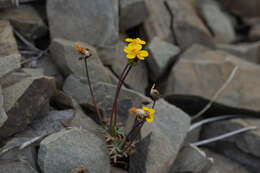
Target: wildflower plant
{"type": "Point", "coordinates": [119, 144]}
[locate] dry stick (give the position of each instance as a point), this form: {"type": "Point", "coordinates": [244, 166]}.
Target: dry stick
{"type": "Point", "coordinates": [92, 94]}
{"type": "Point", "coordinates": [216, 95]}
{"type": "Point", "coordinates": [207, 141]}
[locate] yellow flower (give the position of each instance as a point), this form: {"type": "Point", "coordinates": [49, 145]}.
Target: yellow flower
{"type": "Point", "coordinates": [150, 113]}
{"type": "Point", "coordinates": [135, 41]}
{"type": "Point", "coordinates": [134, 51]}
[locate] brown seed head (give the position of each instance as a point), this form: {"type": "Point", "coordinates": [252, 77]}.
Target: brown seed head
{"type": "Point", "coordinates": [154, 93]}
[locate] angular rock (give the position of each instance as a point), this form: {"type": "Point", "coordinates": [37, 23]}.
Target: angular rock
{"type": "Point", "coordinates": [104, 93]}
{"type": "Point", "coordinates": [159, 21]}
{"type": "Point", "coordinates": [247, 51]}
{"type": "Point", "coordinates": [137, 78]}
{"type": "Point", "coordinates": [129, 10]}
{"type": "Point", "coordinates": [93, 22]}
{"type": "Point", "coordinates": [223, 164]}
{"type": "Point", "coordinates": [65, 55]}
{"type": "Point", "coordinates": [26, 101]}
{"type": "Point", "coordinates": [192, 159]}
{"type": "Point", "coordinates": [26, 20]}
{"type": "Point", "coordinates": [21, 167]}
{"type": "Point", "coordinates": [217, 20]}
{"type": "Point", "coordinates": [201, 72]}
{"type": "Point", "coordinates": [3, 116]}
{"type": "Point", "coordinates": [254, 33]}
{"type": "Point", "coordinates": [167, 132]}
{"type": "Point", "coordinates": [188, 28]}
{"type": "Point", "coordinates": [161, 55]}
{"type": "Point", "coordinates": [247, 142]}
{"type": "Point", "coordinates": [9, 55]}
{"type": "Point", "coordinates": [69, 149]}
{"type": "Point", "coordinates": [7, 4]}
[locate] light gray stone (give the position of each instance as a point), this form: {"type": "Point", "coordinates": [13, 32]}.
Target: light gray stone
{"type": "Point", "coordinates": [161, 55]}
{"type": "Point", "coordinates": [132, 13]}
{"type": "Point", "coordinates": [93, 22]}
{"type": "Point", "coordinates": [9, 55]}
{"type": "Point", "coordinates": [13, 167]}
{"type": "Point", "coordinates": [69, 149]}
{"type": "Point", "coordinates": [3, 116]}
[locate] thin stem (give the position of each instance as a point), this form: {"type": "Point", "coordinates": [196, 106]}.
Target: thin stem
{"type": "Point", "coordinates": [92, 94]}
{"type": "Point", "coordinates": [154, 101]}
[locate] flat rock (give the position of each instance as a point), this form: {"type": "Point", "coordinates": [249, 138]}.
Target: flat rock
{"type": "Point", "coordinates": [218, 21]}
{"type": "Point", "coordinates": [129, 9]}
{"type": "Point", "coordinates": [65, 55]}
{"type": "Point", "coordinates": [167, 132]}
{"type": "Point", "coordinates": [192, 159]}
{"type": "Point", "coordinates": [247, 51]}
{"type": "Point", "coordinates": [159, 21]}
{"type": "Point", "coordinates": [9, 55]}
{"type": "Point", "coordinates": [201, 72]}
{"type": "Point", "coordinates": [69, 149]}
{"type": "Point", "coordinates": [247, 142]}
{"type": "Point", "coordinates": [104, 93]}
{"type": "Point", "coordinates": [93, 22]}
{"type": "Point", "coordinates": [161, 55]}
{"type": "Point", "coordinates": [188, 28]}
{"type": "Point", "coordinates": [3, 116]}
{"type": "Point", "coordinates": [26, 20]}
{"type": "Point", "coordinates": [26, 101]}
{"type": "Point", "coordinates": [11, 167]}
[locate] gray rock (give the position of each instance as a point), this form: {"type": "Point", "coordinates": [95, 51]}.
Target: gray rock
{"type": "Point", "coordinates": [254, 33]}
{"type": "Point", "coordinates": [104, 93]}
{"type": "Point", "coordinates": [247, 142]}
{"type": "Point", "coordinates": [161, 55]}
{"type": "Point", "coordinates": [69, 149]}
{"type": "Point", "coordinates": [223, 164]}
{"type": "Point", "coordinates": [9, 55]}
{"type": "Point", "coordinates": [188, 28]}
{"type": "Point", "coordinates": [192, 159]}
{"type": "Point", "coordinates": [167, 132]}
{"type": "Point", "coordinates": [117, 170]}
{"type": "Point", "coordinates": [247, 51]}
{"type": "Point", "coordinates": [217, 20]}
{"type": "Point", "coordinates": [93, 22]}
{"type": "Point", "coordinates": [3, 116]}
{"type": "Point", "coordinates": [26, 101]}
{"type": "Point", "coordinates": [201, 72]}
{"type": "Point", "coordinates": [7, 4]}
{"type": "Point", "coordinates": [65, 55]}
{"type": "Point", "coordinates": [12, 167]}
{"type": "Point", "coordinates": [129, 10]}
{"type": "Point", "coordinates": [159, 21]}
{"type": "Point", "coordinates": [26, 20]}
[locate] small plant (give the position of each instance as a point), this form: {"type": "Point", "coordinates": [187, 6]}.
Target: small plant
{"type": "Point", "coordinates": [119, 144]}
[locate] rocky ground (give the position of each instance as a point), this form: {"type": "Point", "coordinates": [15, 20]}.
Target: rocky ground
{"type": "Point", "coordinates": [204, 59]}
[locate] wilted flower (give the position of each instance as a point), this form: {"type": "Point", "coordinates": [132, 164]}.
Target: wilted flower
{"type": "Point", "coordinates": [144, 113]}
{"type": "Point", "coordinates": [135, 41]}
{"type": "Point", "coordinates": [84, 52]}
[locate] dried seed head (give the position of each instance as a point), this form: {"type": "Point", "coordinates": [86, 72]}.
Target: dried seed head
{"type": "Point", "coordinates": [83, 51]}
{"type": "Point", "coordinates": [154, 93]}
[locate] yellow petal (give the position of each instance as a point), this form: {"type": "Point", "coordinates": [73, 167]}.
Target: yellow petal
{"type": "Point", "coordinates": [127, 49]}
{"type": "Point", "coordinates": [149, 119]}
{"type": "Point", "coordinates": [139, 41]}
{"type": "Point", "coordinates": [128, 39]}
{"type": "Point", "coordinates": [136, 47]}
{"type": "Point", "coordinates": [150, 110]}
{"type": "Point", "coordinates": [143, 53]}
{"type": "Point", "coordinates": [140, 57]}
{"type": "Point", "coordinates": [131, 55]}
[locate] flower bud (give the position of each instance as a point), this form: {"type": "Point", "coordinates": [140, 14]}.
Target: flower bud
{"type": "Point", "coordinates": [154, 93]}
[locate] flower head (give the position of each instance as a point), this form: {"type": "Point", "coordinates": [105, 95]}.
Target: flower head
{"type": "Point", "coordinates": [85, 52]}
{"type": "Point", "coordinates": [150, 112]}
{"type": "Point", "coordinates": [135, 41]}
{"type": "Point", "coordinates": [135, 51]}
{"type": "Point", "coordinates": [143, 114]}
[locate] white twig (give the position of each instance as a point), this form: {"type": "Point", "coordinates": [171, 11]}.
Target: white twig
{"type": "Point", "coordinates": [209, 120]}
{"type": "Point", "coordinates": [214, 98]}
{"type": "Point", "coordinates": [207, 141]}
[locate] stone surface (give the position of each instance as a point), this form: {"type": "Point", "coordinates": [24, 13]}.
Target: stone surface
{"type": "Point", "coordinates": [247, 51]}
{"type": "Point", "coordinates": [137, 78]}
{"type": "Point", "coordinates": [158, 22]}
{"type": "Point", "coordinates": [6, 4]}
{"type": "Point", "coordinates": [3, 116]}
{"type": "Point", "coordinates": [161, 55]}
{"type": "Point", "coordinates": [188, 28]}
{"type": "Point", "coordinates": [223, 164]}
{"type": "Point", "coordinates": [9, 55]}
{"type": "Point", "coordinates": [104, 93]}
{"type": "Point", "coordinates": [93, 22]}
{"type": "Point", "coordinates": [247, 142]}
{"type": "Point", "coordinates": [129, 10]}
{"type": "Point", "coordinates": [217, 20]}
{"type": "Point", "coordinates": [12, 167]}
{"type": "Point", "coordinates": [26, 101]}
{"type": "Point", "coordinates": [167, 132]}
{"type": "Point", "coordinates": [117, 170]}
{"type": "Point", "coordinates": [254, 33]}
{"type": "Point", "coordinates": [65, 55]}
{"type": "Point", "coordinates": [69, 149]}
{"type": "Point", "coordinates": [201, 72]}
{"type": "Point", "coordinates": [26, 20]}
{"type": "Point", "coordinates": [191, 159]}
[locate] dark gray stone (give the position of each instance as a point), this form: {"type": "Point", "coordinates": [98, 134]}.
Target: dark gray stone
{"type": "Point", "coordinates": [3, 116]}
